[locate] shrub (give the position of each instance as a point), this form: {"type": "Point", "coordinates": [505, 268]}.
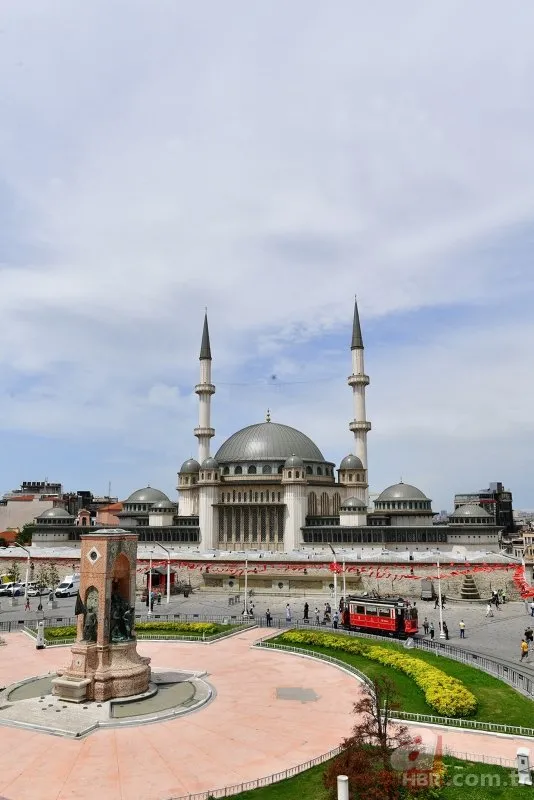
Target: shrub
{"type": "Point", "coordinates": [193, 628]}
{"type": "Point", "coordinates": [66, 632]}
{"type": "Point", "coordinates": [448, 696]}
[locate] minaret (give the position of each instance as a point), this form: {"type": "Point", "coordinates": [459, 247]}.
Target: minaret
{"type": "Point", "coordinates": [358, 380]}
{"type": "Point", "coordinates": [204, 389]}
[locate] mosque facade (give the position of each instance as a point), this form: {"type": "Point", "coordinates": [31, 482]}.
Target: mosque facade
{"type": "Point", "coordinates": [270, 488]}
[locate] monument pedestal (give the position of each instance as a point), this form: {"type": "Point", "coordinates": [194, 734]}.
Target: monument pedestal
{"type": "Point", "coordinates": [113, 670]}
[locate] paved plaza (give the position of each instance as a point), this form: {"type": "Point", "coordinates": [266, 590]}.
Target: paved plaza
{"type": "Point", "coordinates": [271, 711]}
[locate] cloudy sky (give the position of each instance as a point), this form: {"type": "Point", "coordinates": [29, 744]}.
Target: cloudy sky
{"type": "Point", "coordinates": [267, 160]}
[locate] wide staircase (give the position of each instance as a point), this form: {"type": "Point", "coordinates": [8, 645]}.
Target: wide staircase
{"type": "Point", "coordinates": [469, 589]}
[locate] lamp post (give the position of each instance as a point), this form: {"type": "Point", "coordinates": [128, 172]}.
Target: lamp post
{"type": "Point", "coordinates": [27, 569]}
{"type": "Point", "coordinates": [149, 588]}
{"type": "Point", "coordinates": [168, 571]}
{"type": "Point", "coordinates": [344, 583]}
{"type": "Point", "coordinates": [335, 577]}
{"type": "Point", "coordinates": [441, 631]}
{"type": "Point", "coordinates": [246, 588]}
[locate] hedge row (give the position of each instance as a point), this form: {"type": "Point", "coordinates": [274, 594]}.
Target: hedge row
{"type": "Point", "coordinates": [448, 696]}
{"type": "Point", "coordinates": [194, 628]}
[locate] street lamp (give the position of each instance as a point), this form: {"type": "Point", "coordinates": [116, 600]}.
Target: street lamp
{"type": "Point", "coordinates": [149, 587]}
{"type": "Point", "coordinates": [27, 569]}
{"type": "Point", "coordinates": [335, 577]}
{"type": "Point", "coordinates": [344, 583]}
{"type": "Point", "coordinates": [441, 631]}
{"type": "Point", "coordinates": [245, 614]}
{"type": "Point", "coordinates": [168, 571]}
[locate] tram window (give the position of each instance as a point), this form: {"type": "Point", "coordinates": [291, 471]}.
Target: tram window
{"type": "Point", "coordinates": [384, 612]}
{"type": "Point", "coordinates": [360, 609]}
{"type": "Point", "coordinates": [371, 610]}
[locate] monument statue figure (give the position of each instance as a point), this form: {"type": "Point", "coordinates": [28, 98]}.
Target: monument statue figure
{"type": "Point", "coordinates": [90, 626]}
{"type": "Point", "coordinates": [121, 619]}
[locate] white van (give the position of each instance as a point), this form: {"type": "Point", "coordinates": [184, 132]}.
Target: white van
{"type": "Point", "coordinates": [69, 586]}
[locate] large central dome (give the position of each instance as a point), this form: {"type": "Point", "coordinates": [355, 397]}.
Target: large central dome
{"type": "Point", "coordinates": [268, 440]}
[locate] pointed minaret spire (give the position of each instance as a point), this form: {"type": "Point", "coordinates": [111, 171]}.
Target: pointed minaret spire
{"type": "Point", "coordinates": [358, 382]}
{"type": "Point", "coordinates": [357, 340]}
{"type": "Point", "coordinates": [204, 432]}
{"type": "Point", "coordinates": [205, 349]}
{"type": "Point", "coordinates": [268, 415]}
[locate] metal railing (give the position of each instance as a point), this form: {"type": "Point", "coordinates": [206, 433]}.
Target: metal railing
{"type": "Point", "coordinates": [56, 622]}
{"type": "Point", "coordinates": [238, 788]}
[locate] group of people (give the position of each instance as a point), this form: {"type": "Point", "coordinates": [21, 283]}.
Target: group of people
{"type": "Point", "coordinates": [429, 629]}
{"type": "Point", "coordinates": [526, 641]}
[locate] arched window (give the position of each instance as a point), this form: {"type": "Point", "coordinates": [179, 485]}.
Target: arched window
{"type": "Point", "coordinates": [289, 474]}
{"type": "Point", "coordinates": [325, 505]}
{"type": "Point", "coordinates": [280, 469]}
{"type": "Point", "coordinates": [336, 503]}
{"type": "Point", "coordinates": [297, 474]}
{"type": "Point", "coordinates": [252, 470]}
{"type": "Point", "coordinates": [309, 471]}
{"type": "Point", "coordinates": [255, 497]}
{"type": "Point", "coordinates": [279, 496]}
{"type": "Point", "coordinates": [226, 470]}
{"type": "Point", "coordinates": [233, 497]}
{"type": "Point", "coordinates": [266, 469]}
{"type": "Point", "coordinates": [272, 497]}
{"type": "Point", "coordinates": [312, 504]}
{"type": "Point", "coordinates": [239, 497]}
{"type": "Point", "coordinates": [351, 476]}
{"type": "Point", "coordinates": [238, 471]}
{"type": "Point", "coordinates": [319, 470]}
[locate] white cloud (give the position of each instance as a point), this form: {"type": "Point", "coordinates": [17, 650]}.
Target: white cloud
{"type": "Point", "coordinates": [268, 162]}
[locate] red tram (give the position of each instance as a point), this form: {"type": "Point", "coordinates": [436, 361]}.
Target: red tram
{"type": "Point", "coordinates": [388, 616]}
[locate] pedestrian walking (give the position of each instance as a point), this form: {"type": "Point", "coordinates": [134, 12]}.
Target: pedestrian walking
{"type": "Point", "coordinates": [432, 631]}
{"type": "Point", "coordinates": [268, 618]}
{"type": "Point", "coordinates": [27, 607]}
{"type": "Point", "coordinates": [335, 620]}
{"type": "Point", "coordinates": [462, 629]}
{"type": "Point", "coordinates": [529, 634]}
{"type": "Point", "coordinates": [288, 613]}
{"type": "Point", "coordinates": [306, 611]}
{"type": "Point", "coordinates": [342, 605]}
{"type": "Point", "coordinates": [425, 626]}
{"type": "Point", "coordinates": [503, 596]}
{"type": "Point", "coordinates": [446, 631]}
{"type": "Point", "coordinates": [489, 611]}
{"type": "Point", "coordinates": [436, 602]}
{"type": "Point", "coordinates": [532, 609]}
{"type": "Point", "coordinates": [524, 649]}
{"type": "Point", "coordinates": [317, 616]}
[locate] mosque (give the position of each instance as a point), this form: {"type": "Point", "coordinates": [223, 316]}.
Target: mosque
{"type": "Point", "coordinates": [270, 488]}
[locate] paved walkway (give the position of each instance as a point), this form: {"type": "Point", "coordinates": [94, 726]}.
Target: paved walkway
{"type": "Point", "coordinates": [245, 733]}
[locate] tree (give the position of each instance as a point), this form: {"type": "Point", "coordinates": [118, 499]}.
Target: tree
{"type": "Point", "coordinates": [366, 757]}
{"type": "Point", "coordinates": [25, 534]}
{"type": "Point", "coordinates": [13, 572]}
{"type": "Point", "coordinates": [53, 576]}
{"type": "Point", "coordinates": [43, 577]}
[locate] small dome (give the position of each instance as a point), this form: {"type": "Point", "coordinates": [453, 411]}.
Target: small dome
{"type": "Point", "coordinates": [190, 466]}
{"type": "Point", "coordinates": [56, 513]}
{"type": "Point", "coordinates": [164, 504]}
{"type": "Point", "coordinates": [294, 461]}
{"type": "Point", "coordinates": [401, 491]}
{"type": "Point", "coordinates": [470, 510]}
{"type": "Point", "coordinates": [351, 462]}
{"type": "Point", "coordinates": [147, 495]}
{"type": "Point", "coordinates": [210, 463]}
{"type": "Point", "coordinates": [353, 504]}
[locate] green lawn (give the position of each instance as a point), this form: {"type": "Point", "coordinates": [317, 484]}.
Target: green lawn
{"type": "Point", "coordinates": [466, 781]}
{"type": "Point", "coordinates": [146, 630]}
{"type": "Point", "coordinates": [497, 702]}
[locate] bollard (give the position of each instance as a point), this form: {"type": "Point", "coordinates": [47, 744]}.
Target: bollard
{"type": "Point", "coordinates": [40, 641]}
{"type": "Point", "coordinates": [342, 787]}
{"type": "Point", "coordinates": [523, 766]}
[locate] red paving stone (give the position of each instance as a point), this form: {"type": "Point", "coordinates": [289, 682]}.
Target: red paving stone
{"type": "Point", "coordinates": [245, 733]}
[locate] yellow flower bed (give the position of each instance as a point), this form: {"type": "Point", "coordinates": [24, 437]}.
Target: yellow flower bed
{"type": "Point", "coordinates": [448, 696]}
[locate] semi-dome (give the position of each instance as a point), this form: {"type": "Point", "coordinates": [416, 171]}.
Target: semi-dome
{"type": "Point", "coordinates": [55, 513]}
{"type": "Point", "coordinates": [294, 461]}
{"type": "Point", "coordinates": [470, 510]}
{"type": "Point", "coordinates": [353, 504]}
{"type": "Point", "coordinates": [401, 491]}
{"type": "Point", "coordinates": [210, 463]}
{"type": "Point", "coordinates": [268, 441]}
{"type": "Point", "coordinates": [147, 495]}
{"type": "Point", "coordinates": [190, 466]}
{"type": "Point", "coordinates": [351, 462]}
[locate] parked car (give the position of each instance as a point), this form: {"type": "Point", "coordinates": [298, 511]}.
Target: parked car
{"type": "Point", "coordinates": [19, 590]}
{"type": "Point", "coordinates": [38, 591]}
{"type": "Point", "coordinates": [6, 588]}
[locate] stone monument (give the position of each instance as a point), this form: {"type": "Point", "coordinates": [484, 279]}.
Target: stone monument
{"type": "Point", "coordinates": [105, 662]}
